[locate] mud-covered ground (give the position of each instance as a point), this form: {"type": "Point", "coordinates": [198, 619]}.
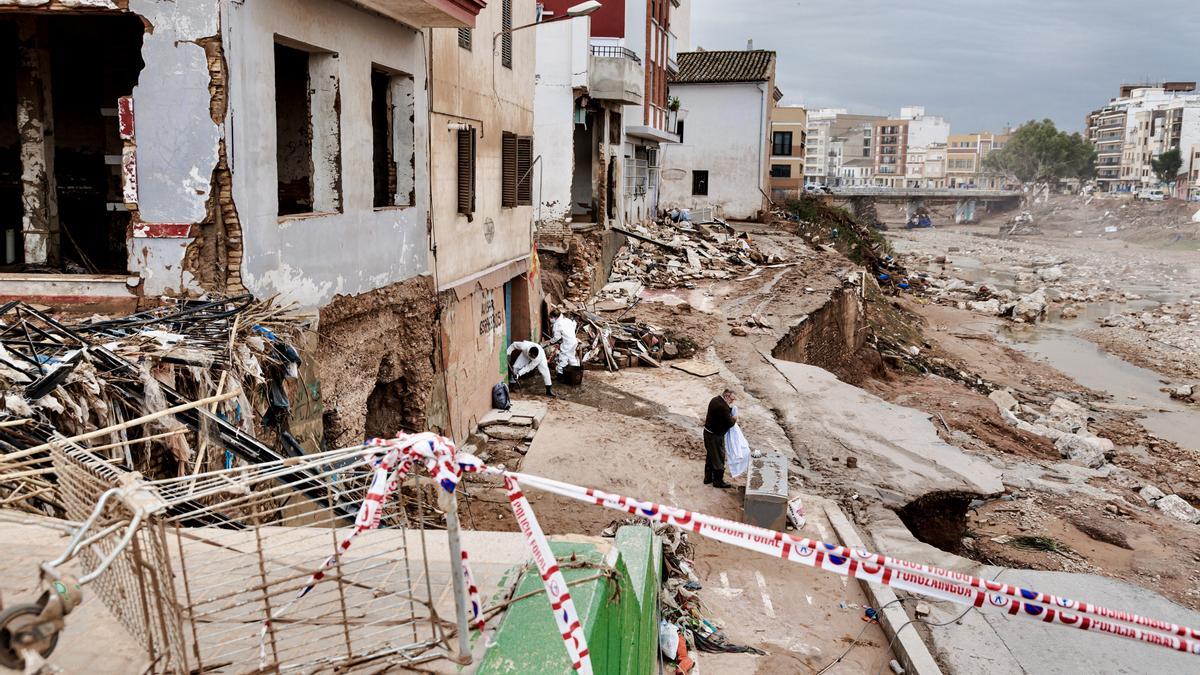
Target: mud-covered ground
{"type": "Point", "coordinates": [1128, 338]}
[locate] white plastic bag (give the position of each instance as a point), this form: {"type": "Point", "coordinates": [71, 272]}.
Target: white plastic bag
{"type": "Point", "coordinates": [737, 450]}
{"type": "Point", "coordinates": [668, 639]}
{"type": "Point", "coordinates": [795, 512]}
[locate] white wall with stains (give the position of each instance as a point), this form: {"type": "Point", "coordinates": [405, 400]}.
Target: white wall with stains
{"type": "Point", "coordinates": [310, 259]}
{"type": "Point", "coordinates": [176, 135]}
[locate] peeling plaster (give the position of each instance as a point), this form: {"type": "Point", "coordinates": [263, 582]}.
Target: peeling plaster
{"type": "Point", "coordinates": [310, 259]}
{"type": "Point", "coordinates": [176, 137]}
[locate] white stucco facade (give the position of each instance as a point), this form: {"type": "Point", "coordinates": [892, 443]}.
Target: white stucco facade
{"type": "Point", "coordinates": [562, 67]}
{"type": "Point", "coordinates": [308, 259]}
{"type": "Point", "coordinates": [726, 135]}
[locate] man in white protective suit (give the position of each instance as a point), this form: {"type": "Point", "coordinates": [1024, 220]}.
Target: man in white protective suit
{"type": "Point", "coordinates": [564, 336]}
{"type": "Point", "coordinates": [525, 356]}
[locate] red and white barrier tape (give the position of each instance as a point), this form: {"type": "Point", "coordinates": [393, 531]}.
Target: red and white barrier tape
{"type": "Point", "coordinates": [447, 467]}
{"type": "Point", "coordinates": [556, 586]}
{"type": "Point", "coordinates": [900, 574]}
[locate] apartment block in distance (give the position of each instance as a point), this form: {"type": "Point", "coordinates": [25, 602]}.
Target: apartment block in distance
{"type": "Point", "coordinates": [965, 160]}
{"type": "Point", "coordinates": [789, 131]}
{"type": "Point", "coordinates": [1121, 159]}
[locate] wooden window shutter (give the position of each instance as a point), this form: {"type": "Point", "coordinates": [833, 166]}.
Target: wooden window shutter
{"type": "Point", "coordinates": [464, 38]}
{"type": "Point", "coordinates": [508, 170]}
{"type": "Point", "coordinates": [506, 36]}
{"type": "Point", "coordinates": [466, 171]}
{"type": "Point", "coordinates": [524, 175]}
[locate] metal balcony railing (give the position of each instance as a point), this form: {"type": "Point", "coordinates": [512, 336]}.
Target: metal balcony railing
{"type": "Point", "coordinates": [610, 51]}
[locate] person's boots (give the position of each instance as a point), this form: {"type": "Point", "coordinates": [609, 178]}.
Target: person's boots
{"type": "Point", "coordinates": [550, 391]}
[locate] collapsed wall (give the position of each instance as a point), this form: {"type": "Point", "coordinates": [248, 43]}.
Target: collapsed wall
{"type": "Point", "coordinates": [833, 337]}
{"type": "Point", "coordinates": [376, 361]}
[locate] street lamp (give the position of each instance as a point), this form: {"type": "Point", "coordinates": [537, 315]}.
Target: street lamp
{"type": "Point", "coordinates": [574, 11]}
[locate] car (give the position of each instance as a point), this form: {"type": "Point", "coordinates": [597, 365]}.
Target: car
{"type": "Point", "coordinates": [1151, 194]}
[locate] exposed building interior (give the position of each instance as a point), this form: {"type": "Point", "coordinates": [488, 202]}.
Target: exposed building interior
{"type": "Point", "coordinates": [61, 205]}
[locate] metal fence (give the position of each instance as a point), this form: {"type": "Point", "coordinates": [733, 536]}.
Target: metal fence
{"type": "Point", "coordinates": [216, 579]}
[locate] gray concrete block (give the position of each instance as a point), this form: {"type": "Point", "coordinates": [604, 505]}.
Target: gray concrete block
{"type": "Point", "coordinates": [766, 499]}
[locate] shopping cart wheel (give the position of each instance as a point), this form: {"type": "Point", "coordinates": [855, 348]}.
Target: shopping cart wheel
{"type": "Point", "coordinates": [20, 630]}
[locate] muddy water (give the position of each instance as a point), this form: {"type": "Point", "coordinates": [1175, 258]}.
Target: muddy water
{"type": "Point", "coordinates": [1056, 342]}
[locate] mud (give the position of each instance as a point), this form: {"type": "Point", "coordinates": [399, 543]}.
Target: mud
{"type": "Point", "coordinates": [376, 359]}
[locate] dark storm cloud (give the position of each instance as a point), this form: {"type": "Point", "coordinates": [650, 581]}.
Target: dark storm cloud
{"type": "Point", "coordinates": [982, 64]}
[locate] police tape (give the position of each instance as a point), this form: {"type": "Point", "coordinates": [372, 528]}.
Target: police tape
{"type": "Point", "coordinates": [899, 574]}
{"type": "Point", "coordinates": [447, 466]}
{"type": "Point", "coordinates": [569, 625]}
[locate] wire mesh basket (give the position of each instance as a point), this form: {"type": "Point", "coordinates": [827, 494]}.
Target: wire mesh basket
{"type": "Point", "coordinates": [219, 577]}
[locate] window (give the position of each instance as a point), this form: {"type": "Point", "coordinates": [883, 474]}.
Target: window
{"type": "Point", "coordinates": [700, 183]}
{"type": "Point", "coordinates": [466, 171]}
{"type": "Point", "coordinates": [866, 152]}
{"type": "Point", "coordinates": [679, 129]}
{"type": "Point", "coordinates": [516, 160]}
{"type": "Point", "coordinates": [614, 127]}
{"type": "Point", "coordinates": [393, 138]}
{"type": "Point", "coordinates": [464, 38]}
{"type": "Point", "coordinates": [781, 171]}
{"type": "Point", "coordinates": [781, 143]}
{"type": "Point", "coordinates": [506, 34]}
{"type": "Point", "coordinates": [307, 131]}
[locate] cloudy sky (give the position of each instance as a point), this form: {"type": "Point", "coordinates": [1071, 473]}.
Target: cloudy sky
{"type": "Point", "coordinates": [982, 64]}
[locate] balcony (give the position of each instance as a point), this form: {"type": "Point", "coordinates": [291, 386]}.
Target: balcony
{"type": "Point", "coordinates": [426, 13]}
{"type": "Point", "coordinates": [615, 74]}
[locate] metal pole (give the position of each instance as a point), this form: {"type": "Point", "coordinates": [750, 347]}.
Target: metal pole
{"type": "Point", "coordinates": [448, 501]}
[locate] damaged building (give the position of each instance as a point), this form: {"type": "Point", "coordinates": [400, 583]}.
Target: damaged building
{"type": "Point", "coordinates": [153, 148]}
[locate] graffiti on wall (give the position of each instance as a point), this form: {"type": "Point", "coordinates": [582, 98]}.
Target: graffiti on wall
{"type": "Point", "coordinates": [491, 320]}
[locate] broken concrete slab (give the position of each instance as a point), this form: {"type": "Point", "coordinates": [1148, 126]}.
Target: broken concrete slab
{"type": "Point", "coordinates": [1178, 508]}
{"type": "Point", "coordinates": [524, 413]}
{"type": "Point", "coordinates": [1003, 399]}
{"type": "Point", "coordinates": [1151, 494]}
{"type": "Point", "coordinates": [895, 445]}
{"type": "Point", "coordinates": [507, 432]}
{"type": "Point", "coordinates": [1089, 451]}
{"type": "Point", "coordinates": [991, 643]}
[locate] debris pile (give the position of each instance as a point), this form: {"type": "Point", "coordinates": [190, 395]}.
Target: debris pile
{"type": "Point", "coordinates": [615, 344]}
{"type": "Point", "coordinates": [102, 373]}
{"type": "Point", "coordinates": [1065, 423]}
{"type": "Point", "coordinates": [1020, 224]}
{"type": "Point", "coordinates": [683, 627]}
{"type": "Point", "coordinates": [1173, 505]}
{"type": "Point", "coordinates": [671, 255]}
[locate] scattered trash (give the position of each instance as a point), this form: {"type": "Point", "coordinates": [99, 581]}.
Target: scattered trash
{"type": "Point", "coordinates": [795, 512]}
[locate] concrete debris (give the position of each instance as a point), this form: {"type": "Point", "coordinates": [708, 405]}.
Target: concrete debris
{"type": "Point", "coordinates": [1090, 451]}
{"type": "Point", "coordinates": [670, 255]}
{"type": "Point", "coordinates": [1030, 308]}
{"type": "Point", "coordinates": [1178, 508]}
{"type": "Point", "coordinates": [1184, 392]}
{"type": "Point", "coordinates": [1003, 399]}
{"type": "Point", "coordinates": [1151, 494]}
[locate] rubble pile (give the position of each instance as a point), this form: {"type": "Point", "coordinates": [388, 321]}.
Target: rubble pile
{"type": "Point", "coordinates": [615, 344]}
{"type": "Point", "coordinates": [671, 255]}
{"type": "Point", "coordinates": [60, 379]}
{"type": "Point", "coordinates": [1173, 505]}
{"type": "Point", "coordinates": [1170, 332]}
{"type": "Point", "coordinates": [1065, 423]}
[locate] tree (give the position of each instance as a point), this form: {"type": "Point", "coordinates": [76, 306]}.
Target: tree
{"type": "Point", "coordinates": [1039, 152]}
{"type": "Point", "coordinates": [1167, 165]}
